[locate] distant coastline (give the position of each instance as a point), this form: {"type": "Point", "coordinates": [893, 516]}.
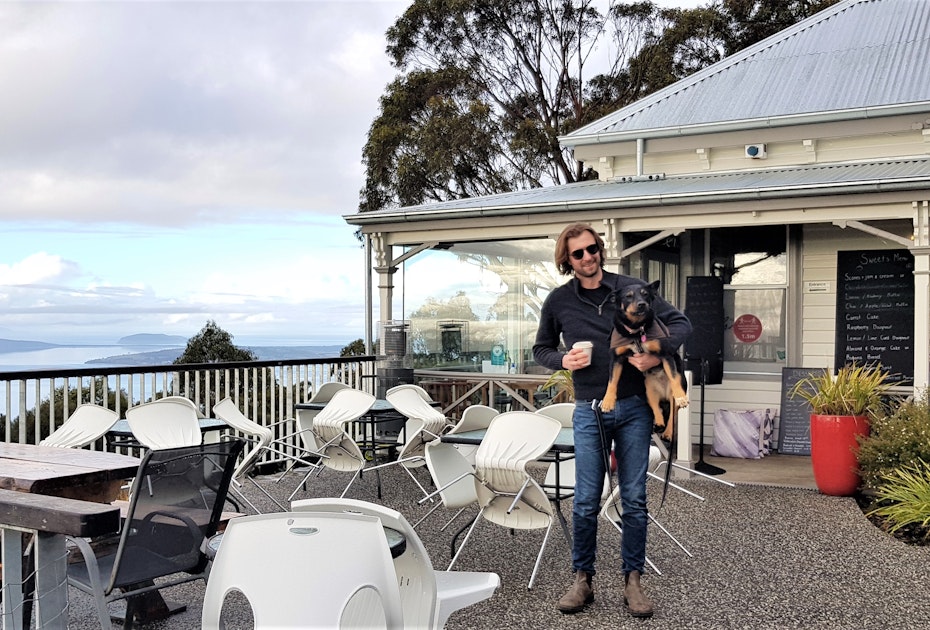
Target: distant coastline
{"type": "Point", "coordinates": [132, 351]}
{"type": "Point", "coordinates": [264, 353]}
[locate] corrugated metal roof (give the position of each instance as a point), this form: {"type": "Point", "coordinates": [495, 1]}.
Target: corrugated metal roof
{"type": "Point", "coordinates": [795, 181]}
{"type": "Point", "coordinates": [856, 55]}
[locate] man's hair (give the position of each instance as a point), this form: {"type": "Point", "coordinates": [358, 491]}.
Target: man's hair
{"type": "Point", "coordinates": [562, 254]}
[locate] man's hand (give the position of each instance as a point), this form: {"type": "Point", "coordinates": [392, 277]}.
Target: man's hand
{"type": "Point", "coordinates": [643, 361]}
{"type": "Point", "coordinates": [575, 359]}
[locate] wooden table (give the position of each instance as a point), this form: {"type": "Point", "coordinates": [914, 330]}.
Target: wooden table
{"type": "Point", "coordinates": [83, 481]}
{"type": "Point", "coordinates": [73, 473]}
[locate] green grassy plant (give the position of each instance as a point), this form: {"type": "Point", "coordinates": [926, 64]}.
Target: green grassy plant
{"type": "Point", "coordinates": [903, 499]}
{"type": "Point", "coordinates": [855, 390]}
{"type": "Point", "coordinates": [561, 380]}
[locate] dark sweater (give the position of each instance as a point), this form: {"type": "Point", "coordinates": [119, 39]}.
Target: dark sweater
{"type": "Point", "coordinates": [568, 315]}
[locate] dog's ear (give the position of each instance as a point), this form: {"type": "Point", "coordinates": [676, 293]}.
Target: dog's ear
{"type": "Point", "coordinates": [655, 287]}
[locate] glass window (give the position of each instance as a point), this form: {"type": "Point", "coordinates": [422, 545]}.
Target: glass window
{"type": "Point", "coordinates": [475, 306]}
{"type": "Point", "coordinates": [753, 265]}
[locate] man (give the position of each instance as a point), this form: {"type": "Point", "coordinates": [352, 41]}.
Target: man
{"type": "Point", "coordinates": [580, 310]}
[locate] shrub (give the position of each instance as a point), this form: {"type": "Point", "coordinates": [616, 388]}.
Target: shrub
{"type": "Point", "coordinates": [896, 441]}
{"type": "Point", "coordinates": [903, 500]}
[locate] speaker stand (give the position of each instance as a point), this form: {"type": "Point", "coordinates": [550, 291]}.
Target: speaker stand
{"type": "Point", "coordinates": [701, 465]}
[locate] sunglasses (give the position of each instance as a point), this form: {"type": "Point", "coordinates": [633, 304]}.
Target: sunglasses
{"type": "Point", "coordinates": [592, 249]}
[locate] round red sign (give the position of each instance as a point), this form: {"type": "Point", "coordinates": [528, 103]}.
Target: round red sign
{"type": "Point", "coordinates": [747, 328]}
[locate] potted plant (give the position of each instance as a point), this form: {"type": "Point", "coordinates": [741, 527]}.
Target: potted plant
{"type": "Point", "coordinates": [842, 405]}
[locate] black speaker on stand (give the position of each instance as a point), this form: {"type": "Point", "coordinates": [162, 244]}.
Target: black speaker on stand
{"type": "Point", "coordinates": [701, 466]}
{"type": "Point", "coordinates": [704, 349]}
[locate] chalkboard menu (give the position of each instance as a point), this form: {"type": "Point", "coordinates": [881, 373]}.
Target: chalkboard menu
{"type": "Point", "coordinates": [794, 428]}
{"type": "Point", "coordinates": [875, 310]}
{"type": "Point", "coordinates": [704, 307]}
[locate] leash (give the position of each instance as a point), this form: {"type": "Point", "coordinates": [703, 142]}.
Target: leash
{"type": "Point", "coordinates": [672, 449]}
{"type": "Point", "coordinates": [605, 454]}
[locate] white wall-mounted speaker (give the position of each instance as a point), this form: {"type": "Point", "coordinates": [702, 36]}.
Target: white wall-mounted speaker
{"type": "Point", "coordinates": [755, 151]}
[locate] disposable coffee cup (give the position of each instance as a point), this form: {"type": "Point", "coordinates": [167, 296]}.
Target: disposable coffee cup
{"type": "Point", "coordinates": [587, 346]}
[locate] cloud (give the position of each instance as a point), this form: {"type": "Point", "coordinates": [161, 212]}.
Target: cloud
{"type": "Point", "coordinates": [160, 113]}
{"type": "Point", "coordinates": [37, 268]}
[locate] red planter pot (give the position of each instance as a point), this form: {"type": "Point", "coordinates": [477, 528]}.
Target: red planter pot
{"type": "Point", "coordinates": [833, 452]}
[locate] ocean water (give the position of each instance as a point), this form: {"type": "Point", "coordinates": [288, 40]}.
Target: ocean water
{"type": "Point", "coordinates": [65, 357]}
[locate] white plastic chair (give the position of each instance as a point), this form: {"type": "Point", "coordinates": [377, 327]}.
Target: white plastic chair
{"type": "Point", "coordinates": [562, 412]}
{"type": "Point", "coordinates": [181, 400]}
{"type": "Point", "coordinates": [300, 569]}
{"type": "Point", "coordinates": [561, 473]}
{"type": "Point", "coordinates": [303, 426]}
{"type": "Point", "coordinates": [474, 418]}
{"type": "Point", "coordinates": [260, 437]}
{"type": "Point", "coordinates": [337, 449]}
{"type": "Point", "coordinates": [425, 423]}
{"type": "Point", "coordinates": [165, 423]}
{"type": "Point", "coordinates": [427, 596]}
{"type": "Point", "coordinates": [451, 473]}
{"type": "Point", "coordinates": [507, 494]}
{"type": "Point", "coordinates": [85, 426]}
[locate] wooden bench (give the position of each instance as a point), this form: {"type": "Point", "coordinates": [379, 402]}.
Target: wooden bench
{"type": "Point", "coordinates": [49, 519]}
{"type": "Point", "coordinates": [56, 515]}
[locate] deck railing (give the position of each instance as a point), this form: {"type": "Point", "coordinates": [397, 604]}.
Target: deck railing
{"type": "Point", "coordinates": [35, 403]}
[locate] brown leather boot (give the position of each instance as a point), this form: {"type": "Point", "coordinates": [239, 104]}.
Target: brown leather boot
{"type": "Point", "coordinates": [634, 597]}
{"type": "Point", "coordinates": [579, 595]}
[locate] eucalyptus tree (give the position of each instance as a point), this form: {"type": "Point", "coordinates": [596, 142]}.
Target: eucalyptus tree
{"type": "Point", "coordinates": [486, 87]}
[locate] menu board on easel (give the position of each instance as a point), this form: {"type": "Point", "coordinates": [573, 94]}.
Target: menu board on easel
{"type": "Point", "coordinates": [875, 310]}
{"type": "Point", "coordinates": [794, 430]}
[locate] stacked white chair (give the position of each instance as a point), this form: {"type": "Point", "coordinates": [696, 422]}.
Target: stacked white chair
{"type": "Point", "coordinates": [165, 423]}
{"type": "Point", "coordinates": [451, 464]}
{"type": "Point", "coordinates": [258, 436]}
{"type": "Point", "coordinates": [452, 475]}
{"type": "Point", "coordinates": [337, 449]}
{"type": "Point", "coordinates": [302, 432]}
{"type": "Point", "coordinates": [86, 425]}
{"type": "Point", "coordinates": [427, 596]}
{"type": "Point", "coordinates": [474, 418]}
{"type": "Point", "coordinates": [425, 424]}
{"type": "Point", "coordinates": [508, 495]}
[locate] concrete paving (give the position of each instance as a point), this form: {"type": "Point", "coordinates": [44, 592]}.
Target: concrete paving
{"type": "Point", "coordinates": [763, 556]}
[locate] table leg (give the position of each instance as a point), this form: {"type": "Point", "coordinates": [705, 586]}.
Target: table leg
{"type": "Point", "coordinates": [12, 550]}
{"type": "Point", "coordinates": [558, 499]}
{"type": "Point", "coordinates": [146, 607]}
{"type": "Point", "coordinates": [51, 588]}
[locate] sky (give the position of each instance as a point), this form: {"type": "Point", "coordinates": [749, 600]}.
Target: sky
{"type": "Point", "coordinates": [163, 164]}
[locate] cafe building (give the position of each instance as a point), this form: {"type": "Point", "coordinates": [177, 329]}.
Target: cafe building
{"type": "Point", "coordinates": [780, 196]}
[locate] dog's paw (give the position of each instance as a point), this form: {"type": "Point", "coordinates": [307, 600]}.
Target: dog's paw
{"type": "Point", "coordinates": [667, 434]}
{"type": "Point", "coordinates": [682, 402]}
{"type": "Point", "coordinates": [608, 403]}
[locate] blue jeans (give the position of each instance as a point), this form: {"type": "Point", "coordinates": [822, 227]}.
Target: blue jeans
{"type": "Point", "coordinates": [629, 428]}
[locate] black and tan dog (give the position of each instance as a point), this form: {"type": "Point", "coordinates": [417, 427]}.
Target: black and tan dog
{"type": "Point", "coordinates": [636, 330]}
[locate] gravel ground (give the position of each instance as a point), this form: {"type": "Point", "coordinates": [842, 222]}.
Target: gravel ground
{"type": "Point", "coordinates": [763, 557]}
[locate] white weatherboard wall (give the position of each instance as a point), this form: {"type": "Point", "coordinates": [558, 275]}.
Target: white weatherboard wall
{"type": "Point", "coordinates": [821, 243]}
{"type": "Point", "coordinates": [817, 299]}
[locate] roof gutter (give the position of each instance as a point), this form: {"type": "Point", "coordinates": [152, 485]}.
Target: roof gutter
{"type": "Point", "coordinates": [639, 201]}
{"type": "Point", "coordinates": [746, 124]}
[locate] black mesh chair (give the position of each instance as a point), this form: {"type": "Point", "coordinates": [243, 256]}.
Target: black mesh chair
{"type": "Point", "coordinates": [176, 502]}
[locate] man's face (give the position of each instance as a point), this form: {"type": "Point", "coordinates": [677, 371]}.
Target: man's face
{"type": "Point", "coordinates": [589, 265]}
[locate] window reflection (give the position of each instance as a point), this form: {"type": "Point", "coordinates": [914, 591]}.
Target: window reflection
{"type": "Point", "coordinates": [475, 306]}
{"type": "Point", "coordinates": [752, 262]}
